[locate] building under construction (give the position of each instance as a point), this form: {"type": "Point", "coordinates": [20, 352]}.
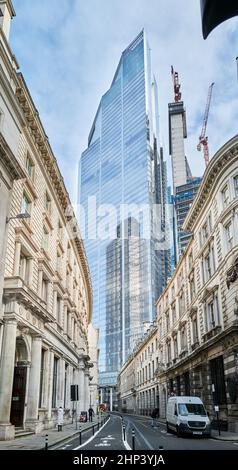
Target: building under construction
{"type": "Point", "coordinates": [185, 186]}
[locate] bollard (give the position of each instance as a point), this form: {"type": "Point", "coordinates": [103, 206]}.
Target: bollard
{"type": "Point", "coordinates": [46, 442]}
{"type": "Point", "coordinates": [80, 436]}
{"type": "Point", "coordinates": [98, 425]}
{"type": "Point", "coordinates": [93, 430]}
{"type": "Point", "coordinates": [133, 438]}
{"type": "Point", "coordinates": [124, 431]}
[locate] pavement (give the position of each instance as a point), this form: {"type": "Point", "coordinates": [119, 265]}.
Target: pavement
{"type": "Point", "coordinates": [37, 441]}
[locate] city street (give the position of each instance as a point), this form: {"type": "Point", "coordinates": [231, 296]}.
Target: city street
{"type": "Point", "coordinates": [146, 438]}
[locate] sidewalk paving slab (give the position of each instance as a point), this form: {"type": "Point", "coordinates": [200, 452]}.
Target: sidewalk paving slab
{"type": "Point", "coordinates": [37, 441]}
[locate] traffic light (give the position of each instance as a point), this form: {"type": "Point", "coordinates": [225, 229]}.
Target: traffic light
{"type": "Point", "coordinates": [74, 392]}
{"type": "Point", "coordinates": [214, 12]}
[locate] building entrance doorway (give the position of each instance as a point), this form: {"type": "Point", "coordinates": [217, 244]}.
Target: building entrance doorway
{"type": "Point", "coordinates": [19, 384]}
{"type": "Point", "coordinates": [18, 396]}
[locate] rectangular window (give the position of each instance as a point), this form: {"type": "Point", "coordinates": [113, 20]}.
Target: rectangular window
{"type": "Point", "coordinates": [169, 351]}
{"type": "Point", "coordinates": [167, 322]}
{"type": "Point", "coordinates": [211, 315]}
{"type": "Point", "coordinates": [42, 377]}
{"type": "Point", "coordinates": [60, 231]}
{"type": "Point", "coordinates": [195, 329]}
{"type": "Point", "coordinates": [44, 290]}
{"type": "Point", "coordinates": [205, 232]}
{"type": "Point", "coordinates": [235, 179]}
{"type": "Point", "coordinates": [225, 196]}
{"type": "Point", "coordinates": [26, 204]}
{"type": "Point", "coordinates": [229, 236]}
{"type": "Point", "coordinates": [58, 263]}
{"type": "Point", "coordinates": [47, 202]}
{"type": "Point", "coordinates": [181, 304]}
{"type": "Point", "coordinates": [183, 339]}
{"type": "Point", "coordinates": [24, 267]}
{"type": "Point", "coordinates": [45, 239]}
{"type": "Point", "coordinates": [175, 346]}
{"type": "Point", "coordinates": [192, 288]}
{"type": "Point", "coordinates": [173, 307]}
{"type": "Point", "coordinates": [209, 264]}
{"type": "Point", "coordinates": [58, 311]}
{"type": "Point", "coordinates": [54, 387]}
{"type": "Point", "coordinates": [29, 167]}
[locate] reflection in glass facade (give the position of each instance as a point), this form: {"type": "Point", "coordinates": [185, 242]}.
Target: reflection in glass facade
{"type": "Point", "coordinates": [123, 165]}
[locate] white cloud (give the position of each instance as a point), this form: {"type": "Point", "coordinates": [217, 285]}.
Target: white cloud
{"type": "Point", "coordinates": [69, 51]}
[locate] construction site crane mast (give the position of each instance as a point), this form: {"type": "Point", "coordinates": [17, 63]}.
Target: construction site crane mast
{"type": "Point", "coordinates": [203, 139]}
{"type": "Point", "coordinates": [177, 93]}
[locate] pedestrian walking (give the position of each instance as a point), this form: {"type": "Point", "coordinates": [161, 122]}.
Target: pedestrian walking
{"type": "Point", "coordinates": [60, 418]}
{"type": "Point", "coordinates": [90, 413]}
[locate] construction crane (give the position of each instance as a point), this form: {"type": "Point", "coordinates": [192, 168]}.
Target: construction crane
{"type": "Point", "coordinates": [177, 94]}
{"type": "Point", "coordinates": [203, 139]}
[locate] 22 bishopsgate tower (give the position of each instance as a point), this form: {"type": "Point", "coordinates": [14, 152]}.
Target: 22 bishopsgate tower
{"type": "Point", "coordinates": [123, 209]}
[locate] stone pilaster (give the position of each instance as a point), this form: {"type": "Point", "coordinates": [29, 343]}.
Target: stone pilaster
{"type": "Point", "coordinates": [50, 382]}
{"type": "Point", "coordinates": [6, 377]}
{"type": "Point", "coordinates": [17, 259]}
{"type": "Point", "coordinates": [86, 388]}
{"type": "Point", "coordinates": [32, 422]}
{"type": "Point", "coordinates": [81, 386]}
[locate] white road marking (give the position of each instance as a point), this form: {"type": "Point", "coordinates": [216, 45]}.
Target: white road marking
{"type": "Point", "coordinates": [102, 445]}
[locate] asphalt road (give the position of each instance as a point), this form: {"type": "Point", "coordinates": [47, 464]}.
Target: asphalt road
{"type": "Point", "coordinates": [146, 438]}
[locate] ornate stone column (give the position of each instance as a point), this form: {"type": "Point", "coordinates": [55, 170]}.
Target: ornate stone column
{"type": "Point", "coordinates": [17, 258]}
{"type": "Point", "coordinates": [31, 268]}
{"type": "Point", "coordinates": [32, 422]}
{"type": "Point", "coordinates": [81, 385]}
{"type": "Point", "coordinates": [50, 382]}
{"type": "Point", "coordinates": [7, 362]}
{"type": "Point", "coordinates": [86, 388]}
{"type": "Point", "coordinates": [40, 280]}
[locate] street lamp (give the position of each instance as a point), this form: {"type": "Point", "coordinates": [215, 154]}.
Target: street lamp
{"type": "Point", "coordinates": [24, 215]}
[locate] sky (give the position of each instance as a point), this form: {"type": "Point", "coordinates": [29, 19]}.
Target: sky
{"type": "Point", "coordinates": [68, 52]}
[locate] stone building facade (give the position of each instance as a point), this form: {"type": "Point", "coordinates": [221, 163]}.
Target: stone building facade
{"type": "Point", "coordinates": [197, 314]}
{"type": "Point", "coordinates": [137, 382]}
{"type": "Point", "coordinates": [46, 303]}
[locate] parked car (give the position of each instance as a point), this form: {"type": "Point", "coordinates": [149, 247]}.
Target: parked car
{"type": "Point", "coordinates": [83, 416]}
{"type": "Point", "coordinates": [187, 415]}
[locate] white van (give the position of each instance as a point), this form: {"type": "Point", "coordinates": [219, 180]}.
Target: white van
{"type": "Point", "coordinates": [187, 415]}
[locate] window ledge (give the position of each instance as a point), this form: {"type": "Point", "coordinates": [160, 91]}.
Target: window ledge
{"type": "Point", "coordinates": [46, 254]}
{"type": "Point", "coordinates": [211, 333]}
{"type": "Point", "coordinates": [47, 220]}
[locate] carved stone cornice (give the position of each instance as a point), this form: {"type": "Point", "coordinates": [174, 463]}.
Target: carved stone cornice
{"type": "Point", "coordinates": [208, 292]}
{"type": "Point", "coordinates": [49, 161]}
{"type": "Point", "coordinates": [222, 158]}
{"type": "Point", "coordinates": [14, 288]}
{"type": "Point", "coordinates": [10, 162]}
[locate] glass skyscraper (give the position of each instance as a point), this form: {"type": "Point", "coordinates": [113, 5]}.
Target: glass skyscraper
{"type": "Point", "coordinates": [123, 199]}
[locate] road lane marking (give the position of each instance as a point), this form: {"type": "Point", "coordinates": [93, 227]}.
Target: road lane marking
{"type": "Point", "coordinates": [143, 437]}
{"type": "Point", "coordinates": [93, 437]}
